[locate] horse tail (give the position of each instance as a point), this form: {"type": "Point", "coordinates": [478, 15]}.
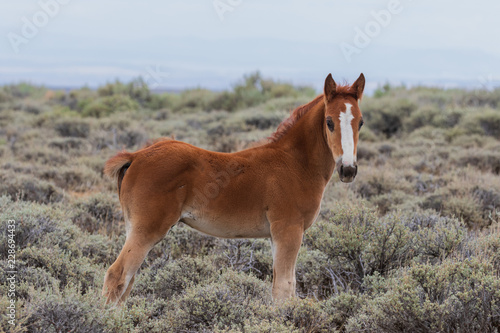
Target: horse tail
{"type": "Point", "coordinates": [117, 165]}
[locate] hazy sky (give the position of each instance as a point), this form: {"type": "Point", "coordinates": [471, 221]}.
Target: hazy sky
{"type": "Point", "coordinates": [178, 44]}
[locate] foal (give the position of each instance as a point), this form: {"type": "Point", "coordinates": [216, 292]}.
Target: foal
{"type": "Point", "coordinates": [270, 191]}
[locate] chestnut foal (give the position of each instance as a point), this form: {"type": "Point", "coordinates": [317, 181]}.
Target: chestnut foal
{"type": "Point", "coordinates": [270, 191]}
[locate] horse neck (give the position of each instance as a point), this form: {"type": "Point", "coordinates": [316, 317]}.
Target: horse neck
{"type": "Point", "coordinates": [306, 142]}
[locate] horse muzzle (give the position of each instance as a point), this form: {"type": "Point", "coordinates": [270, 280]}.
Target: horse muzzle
{"type": "Point", "coordinates": [347, 173]}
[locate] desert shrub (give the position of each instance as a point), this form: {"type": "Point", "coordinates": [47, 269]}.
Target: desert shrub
{"type": "Point", "coordinates": [62, 266]}
{"type": "Point", "coordinates": [387, 118]}
{"type": "Point", "coordinates": [137, 89]}
{"type": "Point", "coordinates": [166, 278]}
{"type": "Point", "coordinates": [467, 141]}
{"type": "Point", "coordinates": [209, 307]}
{"type": "Point", "coordinates": [391, 201]}
{"type": "Point", "coordinates": [481, 121]}
{"type": "Point", "coordinates": [162, 114]}
{"type": "Point", "coordinates": [218, 305]}
{"type": "Point", "coordinates": [307, 315]}
{"type": "Point", "coordinates": [194, 100]}
{"type": "Point", "coordinates": [475, 205]}
{"type": "Point", "coordinates": [78, 99]}
{"type": "Point", "coordinates": [426, 183]}
{"type": "Point", "coordinates": [181, 240]}
{"type": "Point", "coordinates": [69, 313]}
{"type": "Point", "coordinates": [42, 226]}
{"type": "Point", "coordinates": [340, 308]}
{"type": "Point", "coordinates": [482, 160]}
{"type": "Point", "coordinates": [104, 106]}
{"type": "Point", "coordinates": [357, 245]}
{"type": "Point", "coordinates": [29, 278]}
{"type": "Point", "coordinates": [5, 97]}
{"type": "Point", "coordinates": [131, 138]}
{"type": "Point", "coordinates": [76, 128]}
{"type": "Point", "coordinates": [433, 116]}
{"type": "Point", "coordinates": [69, 144]}
{"type": "Point", "coordinates": [257, 325]}
{"type": "Point", "coordinates": [99, 213]}
{"type": "Point", "coordinates": [42, 156]}
{"type": "Point", "coordinates": [422, 117]}
{"type": "Point", "coordinates": [489, 200]}
{"type": "Point", "coordinates": [263, 121]}
{"type": "Point", "coordinates": [480, 98]}
{"type": "Point", "coordinates": [435, 237]}
{"type": "Point", "coordinates": [36, 222]}
{"type": "Point", "coordinates": [245, 255]}
{"type": "Point", "coordinates": [23, 90]}
{"type": "Point", "coordinates": [95, 163]}
{"type": "Point", "coordinates": [371, 185]}
{"type": "Point", "coordinates": [367, 135]}
{"type": "Point", "coordinates": [28, 188]}
{"type": "Point", "coordinates": [451, 297]}
{"type": "Point", "coordinates": [366, 153]}
{"type": "Point", "coordinates": [30, 107]}
{"type": "Point", "coordinates": [101, 250]}
{"type": "Point", "coordinates": [486, 247]}
{"type": "Point", "coordinates": [315, 277]}
{"type": "Point", "coordinates": [490, 122]}
{"type": "Point", "coordinates": [254, 90]}
{"type": "Point", "coordinates": [78, 179]}
{"type": "Point", "coordinates": [466, 209]}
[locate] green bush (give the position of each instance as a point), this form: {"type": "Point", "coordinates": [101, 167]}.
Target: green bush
{"type": "Point", "coordinates": [105, 106]}
{"type": "Point", "coordinates": [137, 90]}
{"type": "Point", "coordinates": [23, 90]}
{"type": "Point", "coordinates": [387, 118]}
{"type": "Point", "coordinates": [195, 100]}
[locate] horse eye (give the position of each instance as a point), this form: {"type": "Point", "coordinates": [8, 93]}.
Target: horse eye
{"type": "Point", "coordinates": [329, 123]}
{"type": "Point", "coordinates": [361, 124]}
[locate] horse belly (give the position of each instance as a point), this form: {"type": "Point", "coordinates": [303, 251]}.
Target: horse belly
{"type": "Point", "coordinates": [228, 225]}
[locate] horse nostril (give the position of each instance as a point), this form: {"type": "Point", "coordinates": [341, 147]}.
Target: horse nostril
{"type": "Point", "coordinates": [342, 170]}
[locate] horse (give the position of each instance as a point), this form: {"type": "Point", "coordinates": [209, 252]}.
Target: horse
{"type": "Point", "coordinates": [273, 190]}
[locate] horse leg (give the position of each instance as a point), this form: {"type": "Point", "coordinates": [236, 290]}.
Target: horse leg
{"type": "Point", "coordinates": [120, 276]}
{"type": "Point", "coordinates": [140, 240]}
{"type": "Point", "coordinates": [127, 292]}
{"type": "Point", "coordinates": [285, 246]}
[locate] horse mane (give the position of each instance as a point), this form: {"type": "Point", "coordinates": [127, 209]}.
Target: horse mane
{"type": "Point", "coordinates": [299, 112]}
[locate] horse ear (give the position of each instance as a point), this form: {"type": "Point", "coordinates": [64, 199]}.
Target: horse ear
{"type": "Point", "coordinates": [330, 87]}
{"type": "Point", "coordinates": [358, 86]}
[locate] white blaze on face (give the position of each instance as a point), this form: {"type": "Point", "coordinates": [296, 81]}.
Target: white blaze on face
{"type": "Point", "coordinates": [347, 135]}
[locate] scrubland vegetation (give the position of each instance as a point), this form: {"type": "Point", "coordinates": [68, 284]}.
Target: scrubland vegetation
{"type": "Point", "coordinates": [413, 245]}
